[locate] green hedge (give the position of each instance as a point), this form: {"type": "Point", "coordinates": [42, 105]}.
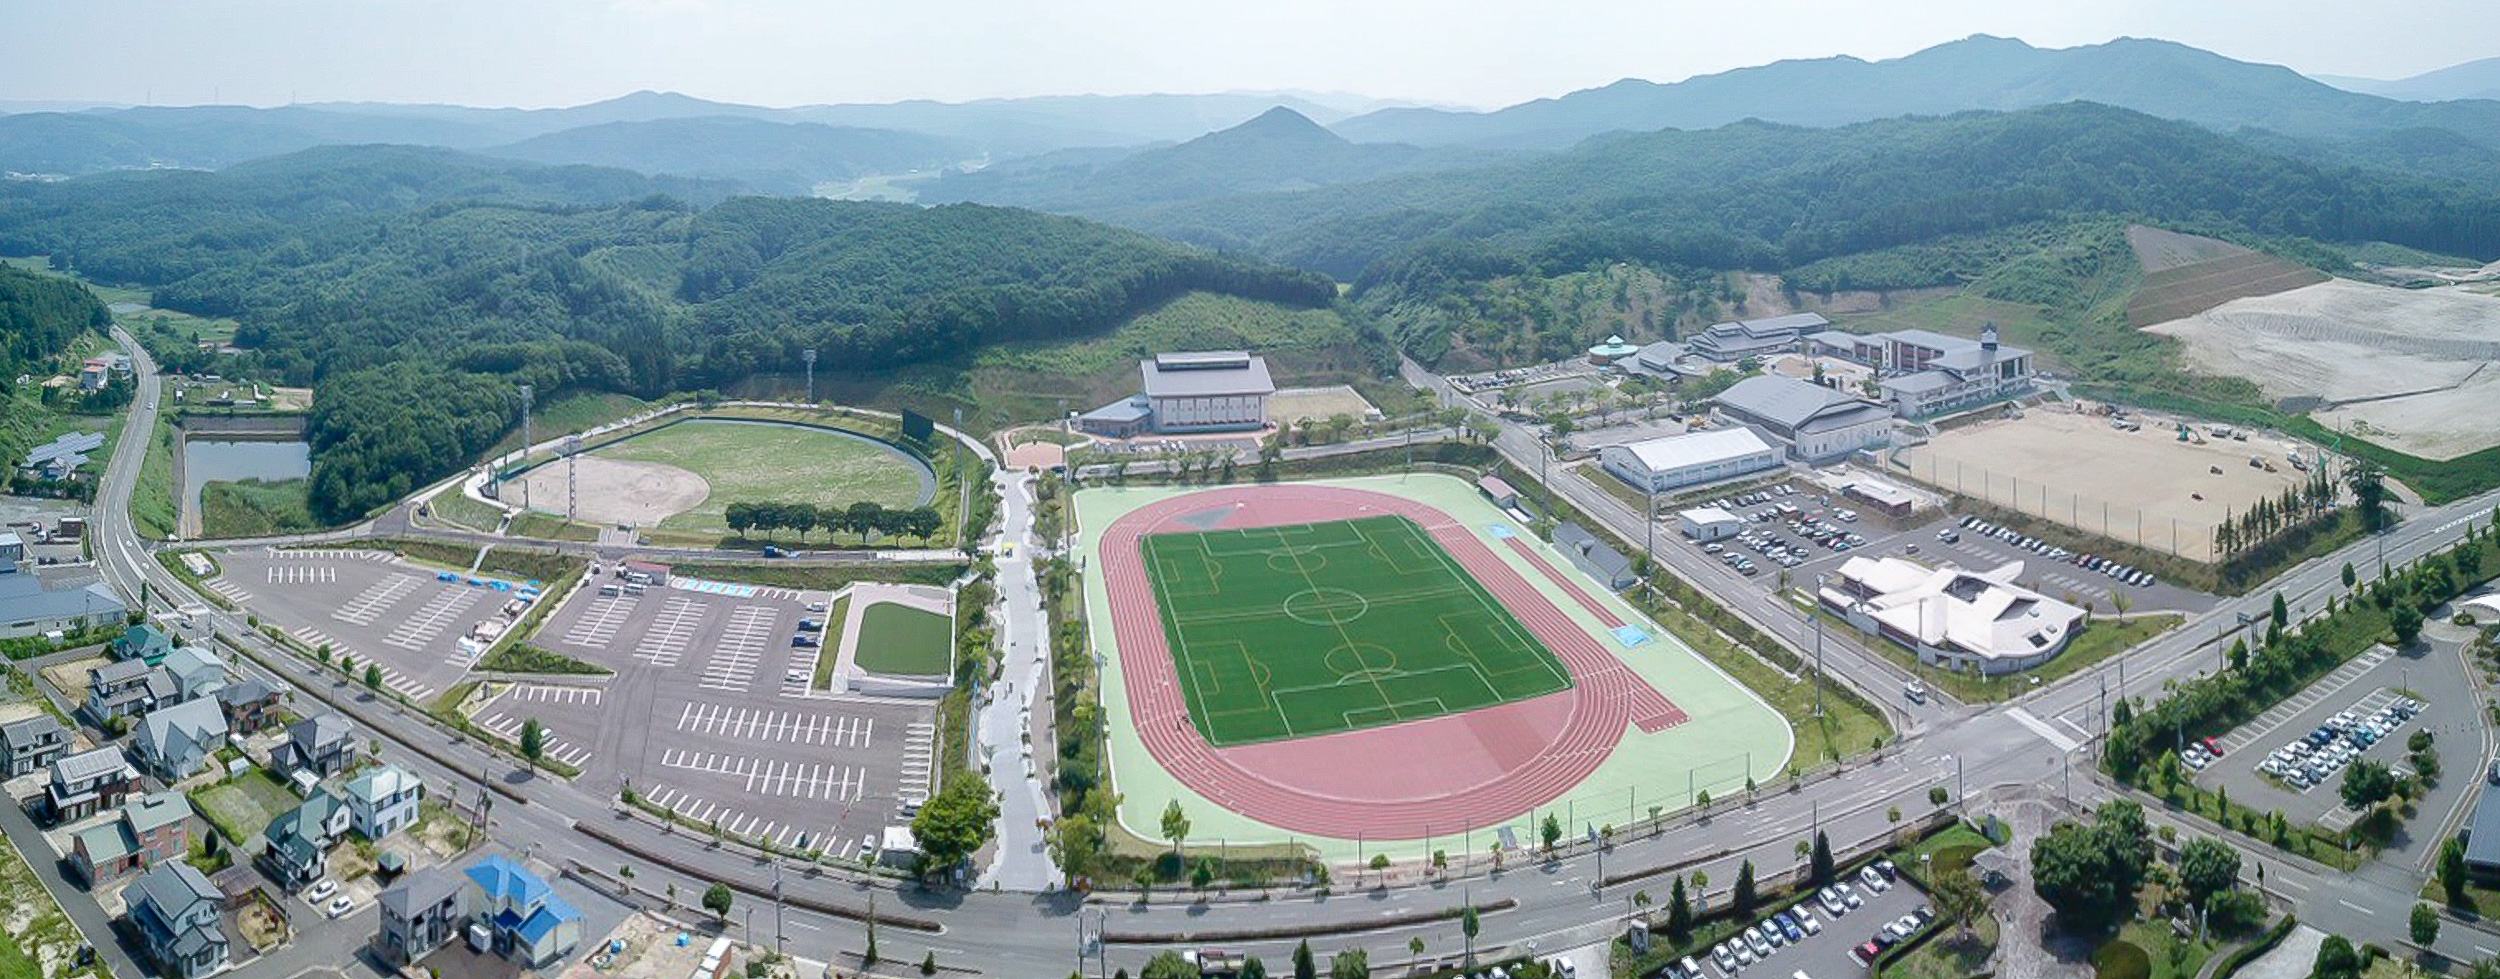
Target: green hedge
{"type": "Point", "coordinates": [2239, 959]}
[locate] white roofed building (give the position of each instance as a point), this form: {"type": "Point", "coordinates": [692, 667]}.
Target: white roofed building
{"type": "Point", "coordinates": [1962, 620]}
{"type": "Point", "coordinates": [1661, 464]}
{"type": "Point", "coordinates": [1928, 373]}
{"type": "Point", "coordinates": [1205, 391]}
{"type": "Point", "coordinates": [1817, 422]}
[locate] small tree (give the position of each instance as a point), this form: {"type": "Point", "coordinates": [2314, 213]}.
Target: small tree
{"type": "Point", "coordinates": [1743, 898]}
{"type": "Point", "coordinates": [373, 679]}
{"type": "Point", "coordinates": [2207, 867]}
{"type": "Point", "coordinates": [1469, 925]}
{"type": "Point", "coordinates": [1202, 875]}
{"type": "Point", "coordinates": [1550, 831]}
{"type": "Point", "coordinates": [2425, 925]}
{"type": "Point", "coordinates": [716, 900]}
{"type": "Point", "coordinates": [1175, 826]}
{"type": "Point", "coordinates": [1353, 963]}
{"type": "Point", "coordinates": [2349, 576]}
{"type": "Point", "coordinates": [1380, 867]}
{"type": "Point", "coordinates": [1304, 966]}
{"type": "Point", "coordinates": [2452, 874]}
{"type": "Point", "coordinates": [533, 742]}
{"type": "Point", "coordinates": [1701, 892]}
{"type": "Point", "coordinates": [325, 652]}
{"type": "Point", "coordinates": [1679, 914]}
{"type": "Point", "coordinates": [1823, 868]}
{"type": "Point", "coordinates": [928, 964]}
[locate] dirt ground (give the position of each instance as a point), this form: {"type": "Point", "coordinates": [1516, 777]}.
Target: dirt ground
{"type": "Point", "coordinates": [70, 678]}
{"type": "Point", "coordinates": [639, 494]}
{"type": "Point", "coordinates": [2412, 363]}
{"type": "Point", "coordinates": [1294, 404]}
{"type": "Point", "coordinates": [2140, 487]}
{"type": "Point", "coordinates": [651, 952]}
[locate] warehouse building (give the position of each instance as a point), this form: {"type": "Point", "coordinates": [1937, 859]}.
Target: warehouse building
{"type": "Point", "coordinates": [1208, 391]}
{"type": "Point", "coordinates": [1815, 422]}
{"type": "Point", "coordinates": [1709, 523]}
{"type": "Point", "coordinates": [1661, 464]}
{"type": "Point", "coordinates": [1961, 620]}
{"type": "Point", "coordinates": [30, 606]}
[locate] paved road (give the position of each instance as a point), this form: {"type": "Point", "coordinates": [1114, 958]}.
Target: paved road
{"type": "Point", "coordinates": [2037, 743]}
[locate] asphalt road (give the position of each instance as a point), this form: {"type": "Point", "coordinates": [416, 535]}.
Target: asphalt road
{"type": "Point", "coordinates": [2033, 745]}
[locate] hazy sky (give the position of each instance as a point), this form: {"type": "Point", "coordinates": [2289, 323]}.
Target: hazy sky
{"type": "Point", "coordinates": [785, 52]}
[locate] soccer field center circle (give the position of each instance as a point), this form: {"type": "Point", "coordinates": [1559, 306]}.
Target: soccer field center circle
{"type": "Point", "coordinates": [1637, 726]}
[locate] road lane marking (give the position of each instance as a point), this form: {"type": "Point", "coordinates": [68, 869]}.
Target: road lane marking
{"type": "Point", "coordinates": [2355, 907]}
{"type": "Point", "coordinates": [2041, 728]}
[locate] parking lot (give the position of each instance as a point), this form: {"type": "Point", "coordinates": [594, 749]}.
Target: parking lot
{"type": "Point", "coordinates": [1834, 950]}
{"type": "Point", "coordinates": [710, 714]}
{"type": "Point", "coordinates": [1803, 534]}
{"type": "Point", "coordinates": [409, 620]}
{"type": "Point", "coordinates": [2431, 672]}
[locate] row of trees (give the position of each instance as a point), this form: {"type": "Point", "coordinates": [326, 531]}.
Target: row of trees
{"type": "Point", "coordinates": [865, 518]}
{"type": "Point", "coordinates": [2297, 505]}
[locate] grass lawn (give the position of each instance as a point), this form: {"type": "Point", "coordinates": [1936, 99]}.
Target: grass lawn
{"type": "Point", "coordinates": [152, 496]}
{"type": "Point", "coordinates": [455, 507]}
{"type": "Point", "coordinates": [825, 658]}
{"type": "Point", "coordinates": [256, 508]}
{"type": "Point", "coordinates": [2171, 956]}
{"type": "Point", "coordinates": [1283, 632]}
{"type": "Point", "coordinates": [242, 807]}
{"type": "Point", "coordinates": [571, 414]}
{"type": "Point", "coordinates": [524, 658]}
{"type": "Point", "coordinates": [1846, 726]}
{"type": "Point", "coordinates": [2104, 638]}
{"type": "Point", "coordinates": [900, 639]}
{"type": "Point", "coordinates": [761, 463]}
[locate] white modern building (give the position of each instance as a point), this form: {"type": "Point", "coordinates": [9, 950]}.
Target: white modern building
{"type": "Point", "coordinates": [1816, 422]}
{"type": "Point", "coordinates": [1661, 464]}
{"type": "Point", "coordinates": [1207, 391]}
{"type": "Point", "coordinates": [1926, 373]}
{"type": "Point", "coordinates": [1961, 620]}
{"type": "Point", "coordinates": [1709, 523]}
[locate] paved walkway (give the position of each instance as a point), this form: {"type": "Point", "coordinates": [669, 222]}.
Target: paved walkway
{"type": "Point", "coordinates": [1022, 859]}
{"type": "Point", "coordinates": [2026, 945]}
{"type": "Point", "coordinates": [2290, 960]}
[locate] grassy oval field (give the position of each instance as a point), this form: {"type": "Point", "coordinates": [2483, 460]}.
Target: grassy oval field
{"type": "Point", "coordinates": [759, 462]}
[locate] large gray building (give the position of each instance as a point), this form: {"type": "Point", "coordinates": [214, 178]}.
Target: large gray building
{"type": "Point", "coordinates": [1815, 422]}
{"type": "Point", "coordinates": [1927, 373]}
{"type": "Point", "coordinates": [1738, 339]}
{"type": "Point", "coordinates": [1181, 393]}
{"type": "Point", "coordinates": [31, 606]}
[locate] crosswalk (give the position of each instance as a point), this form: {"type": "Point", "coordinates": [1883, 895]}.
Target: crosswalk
{"type": "Point", "coordinates": [775, 777]}
{"type": "Point", "coordinates": [376, 599]}
{"type": "Point", "coordinates": [428, 622]}
{"type": "Point", "coordinates": [302, 574]}
{"type": "Point", "coordinates": [664, 643]}
{"type": "Point", "coordinates": [741, 647]}
{"type": "Point", "coordinates": [746, 825]}
{"type": "Point", "coordinates": [746, 724]}
{"type": "Point", "coordinates": [2280, 714]}
{"type": "Point", "coordinates": [233, 592]}
{"type": "Point", "coordinates": [598, 624]}
{"type": "Point", "coordinates": [508, 727]}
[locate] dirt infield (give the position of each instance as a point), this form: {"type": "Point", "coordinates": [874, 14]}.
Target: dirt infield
{"type": "Point", "coordinates": [1393, 782]}
{"type": "Point", "coordinates": [2140, 487]}
{"type": "Point", "coordinates": [639, 494]}
{"type": "Point", "coordinates": [1294, 404]}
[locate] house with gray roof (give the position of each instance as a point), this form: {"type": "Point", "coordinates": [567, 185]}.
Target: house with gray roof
{"type": "Point", "coordinates": [128, 688]}
{"type": "Point", "coordinates": [1736, 340]}
{"type": "Point", "coordinates": [60, 458]}
{"type": "Point", "coordinates": [1816, 423]}
{"type": "Point", "coordinates": [383, 801]}
{"type": "Point", "coordinates": [87, 783]}
{"type": "Point", "coordinates": [251, 705]}
{"type": "Point", "coordinates": [295, 847]}
{"type": "Point", "coordinates": [1594, 556]}
{"type": "Point", "coordinates": [177, 742]}
{"type": "Point", "coordinates": [174, 912]}
{"type": "Point", "coordinates": [421, 913]}
{"type": "Point", "coordinates": [149, 831]}
{"type": "Point", "coordinates": [31, 606]}
{"type": "Point", "coordinates": [323, 745]}
{"type": "Point", "coordinates": [197, 672]}
{"type": "Point", "coordinates": [29, 745]}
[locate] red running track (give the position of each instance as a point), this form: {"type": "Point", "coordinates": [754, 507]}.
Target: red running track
{"type": "Point", "coordinates": [1402, 781]}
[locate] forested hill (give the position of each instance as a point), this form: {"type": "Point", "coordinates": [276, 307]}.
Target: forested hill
{"type": "Point", "coordinates": [40, 316]}
{"type": "Point", "coordinates": [768, 157]}
{"type": "Point", "coordinates": [1768, 197]}
{"type": "Point", "coordinates": [415, 302]}
{"type": "Point", "coordinates": [1281, 150]}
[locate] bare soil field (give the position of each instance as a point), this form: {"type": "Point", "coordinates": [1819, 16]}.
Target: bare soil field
{"type": "Point", "coordinates": [614, 491]}
{"type": "Point", "coordinates": [2409, 364]}
{"type": "Point", "coordinates": [2143, 487]}
{"type": "Point", "coordinates": [2186, 274]}
{"type": "Point", "coordinates": [1294, 404]}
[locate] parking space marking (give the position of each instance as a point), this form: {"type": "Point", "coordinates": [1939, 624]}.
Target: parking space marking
{"type": "Point", "coordinates": [369, 604]}
{"type": "Point", "coordinates": [796, 727]}
{"type": "Point", "coordinates": [740, 648]}
{"type": "Point", "coordinates": [2293, 706]}
{"type": "Point", "coordinates": [552, 694]}
{"type": "Point", "coordinates": [232, 591]}
{"type": "Point", "coordinates": [302, 574]}
{"type": "Point", "coordinates": [775, 777]}
{"type": "Point", "coordinates": [415, 631]}
{"type": "Point", "coordinates": [598, 623]}
{"type": "Point", "coordinates": [919, 744]}
{"type": "Point", "coordinates": [664, 643]}
{"type": "Point", "coordinates": [332, 554]}
{"type": "Point", "coordinates": [508, 727]}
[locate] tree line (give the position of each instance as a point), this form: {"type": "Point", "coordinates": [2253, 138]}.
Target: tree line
{"type": "Point", "coordinates": [865, 518]}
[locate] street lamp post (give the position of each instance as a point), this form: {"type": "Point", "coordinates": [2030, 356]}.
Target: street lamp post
{"type": "Point", "coordinates": [1818, 644]}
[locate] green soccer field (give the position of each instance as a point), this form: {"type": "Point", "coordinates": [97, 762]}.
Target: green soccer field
{"type": "Point", "coordinates": [1285, 632]}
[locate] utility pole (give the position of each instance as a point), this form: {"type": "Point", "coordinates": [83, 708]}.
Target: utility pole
{"type": "Point", "coordinates": [524, 457]}
{"type": "Point", "coordinates": [1818, 644]}
{"type": "Point", "coordinates": [572, 474]}
{"type": "Point", "coordinates": [780, 943]}
{"type": "Point", "coordinates": [808, 356]}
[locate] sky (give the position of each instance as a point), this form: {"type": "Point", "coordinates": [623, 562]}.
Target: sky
{"type": "Point", "coordinates": [536, 53]}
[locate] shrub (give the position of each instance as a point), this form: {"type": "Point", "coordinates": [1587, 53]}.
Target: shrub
{"type": "Point", "coordinates": [2121, 960]}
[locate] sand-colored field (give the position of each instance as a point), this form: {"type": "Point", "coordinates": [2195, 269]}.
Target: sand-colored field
{"type": "Point", "coordinates": [1291, 405]}
{"type": "Point", "coordinates": [613, 491]}
{"type": "Point", "coordinates": [2410, 363]}
{"type": "Point", "coordinates": [2140, 487]}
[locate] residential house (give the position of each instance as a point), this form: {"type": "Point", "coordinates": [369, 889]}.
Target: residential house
{"type": "Point", "coordinates": [177, 742]}
{"type": "Point", "coordinates": [174, 911]}
{"type": "Point", "coordinates": [383, 801]}
{"type": "Point", "coordinates": [530, 924]}
{"type": "Point", "coordinates": [196, 671]}
{"type": "Point", "coordinates": [149, 832]}
{"type": "Point", "coordinates": [295, 847]}
{"type": "Point", "coordinates": [323, 745]}
{"type": "Point", "coordinates": [128, 688]}
{"type": "Point", "coordinates": [31, 745]}
{"type": "Point", "coordinates": [89, 782]}
{"type": "Point", "coordinates": [250, 704]}
{"type": "Point", "coordinates": [143, 642]}
{"type": "Point", "coordinates": [420, 914]}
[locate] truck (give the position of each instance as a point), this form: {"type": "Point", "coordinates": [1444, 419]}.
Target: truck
{"type": "Point", "coordinates": [1217, 962]}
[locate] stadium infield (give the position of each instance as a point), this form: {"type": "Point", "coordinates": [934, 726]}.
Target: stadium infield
{"type": "Point", "coordinates": [1304, 629]}
{"type": "Point", "coordinates": [1646, 722]}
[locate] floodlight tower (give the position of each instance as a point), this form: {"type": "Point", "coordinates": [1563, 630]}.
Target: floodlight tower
{"type": "Point", "coordinates": [572, 474]}
{"type": "Point", "coordinates": [808, 357]}
{"type": "Point", "coordinates": [526, 393]}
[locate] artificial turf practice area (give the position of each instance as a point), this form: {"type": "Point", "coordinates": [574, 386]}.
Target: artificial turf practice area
{"type": "Point", "coordinates": [1292, 631]}
{"type": "Point", "coordinates": [905, 641]}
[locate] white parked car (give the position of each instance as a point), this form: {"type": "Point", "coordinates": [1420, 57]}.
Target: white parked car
{"type": "Point", "coordinates": [320, 891]}
{"type": "Point", "coordinates": [340, 906]}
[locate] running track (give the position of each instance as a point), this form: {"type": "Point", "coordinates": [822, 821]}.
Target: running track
{"type": "Point", "coordinates": [1402, 781]}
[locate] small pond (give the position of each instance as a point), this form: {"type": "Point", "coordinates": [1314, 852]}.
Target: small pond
{"type": "Point", "coordinates": [207, 461]}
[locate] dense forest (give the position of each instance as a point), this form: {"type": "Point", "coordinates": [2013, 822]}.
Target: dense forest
{"type": "Point", "coordinates": [40, 317]}
{"type": "Point", "coordinates": [416, 287]}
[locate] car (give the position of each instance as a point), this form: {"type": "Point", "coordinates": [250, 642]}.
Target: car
{"type": "Point", "coordinates": [1948, 536]}
{"type": "Point", "coordinates": [1724, 959]}
{"type": "Point", "coordinates": [811, 625]}
{"type": "Point", "coordinates": [1713, 548]}
{"type": "Point", "coordinates": [1902, 927]}
{"type": "Point", "coordinates": [1884, 866]}
{"type": "Point", "coordinates": [1805, 920]}
{"type": "Point", "coordinates": [320, 891]}
{"type": "Point", "coordinates": [1849, 896]}
{"type": "Point", "coordinates": [1755, 943]}
{"type": "Point", "coordinates": [445, 576]}
{"type": "Point", "coordinates": [1770, 934]}
{"type": "Point", "coordinates": [1873, 881]}
{"type": "Point", "coordinates": [1690, 968]}
{"type": "Point", "coordinates": [1793, 933]}
{"type": "Point", "coordinates": [340, 906]}
{"type": "Point", "coordinates": [1866, 952]}
{"type": "Point", "coordinates": [806, 641]}
{"type": "Point", "coordinates": [1831, 898]}
{"type": "Point", "coordinates": [1745, 955]}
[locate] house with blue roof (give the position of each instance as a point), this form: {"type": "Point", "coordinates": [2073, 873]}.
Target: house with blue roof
{"type": "Point", "coordinates": [530, 924]}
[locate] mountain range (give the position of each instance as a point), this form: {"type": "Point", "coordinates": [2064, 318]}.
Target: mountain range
{"type": "Point", "coordinates": [2471, 80]}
